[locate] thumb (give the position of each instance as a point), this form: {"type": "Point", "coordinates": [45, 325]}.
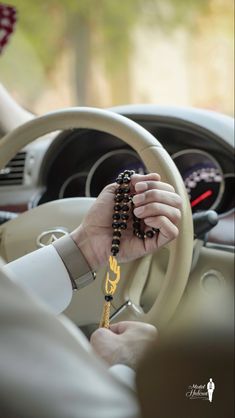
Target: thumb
{"type": "Point", "coordinates": [100, 336]}
{"type": "Point", "coordinates": [121, 327]}
{"type": "Point", "coordinates": [110, 188]}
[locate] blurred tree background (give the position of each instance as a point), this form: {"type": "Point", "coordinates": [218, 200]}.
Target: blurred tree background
{"type": "Point", "coordinates": [108, 52]}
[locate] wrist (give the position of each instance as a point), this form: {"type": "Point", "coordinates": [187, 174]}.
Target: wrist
{"type": "Point", "coordinates": [78, 269]}
{"type": "Point", "coordinates": [83, 242]}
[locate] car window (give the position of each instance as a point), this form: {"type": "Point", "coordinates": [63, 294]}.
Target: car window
{"type": "Point", "coordinates": [69, 52]}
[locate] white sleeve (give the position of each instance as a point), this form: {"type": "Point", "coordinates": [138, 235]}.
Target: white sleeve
{"type": "Point", "coordinates": [125, 374]}
{"type": "Point", "coordinates": [48, 369]}
{"type": "Point", "coordinates": [43, 273]}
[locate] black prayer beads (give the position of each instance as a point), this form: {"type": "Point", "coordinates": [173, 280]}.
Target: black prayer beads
{"type": "Point", "coordinates": [122, 208]}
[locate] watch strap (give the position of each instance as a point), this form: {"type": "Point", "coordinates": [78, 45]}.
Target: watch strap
{"type": "Point", "coordinates": [75, 263]}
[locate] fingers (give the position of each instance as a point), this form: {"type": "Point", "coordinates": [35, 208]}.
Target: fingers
{"type": "Point", "coordinates": [168, 230]}
{"type": "Point", "coordinates": [121, 327]}
{"type": "Point", "coordinates": [125, 326]}
{"type": "Point", "coordinates": [125, 342]}
{"type": "Point", "coordinates": [143, 186]}
{"type": "Point", "coordinates": [100, 335]}
{"type": "Point", "coordinates": [158, 209]}
{"type": "Point", "coordinates": [109, 188]}
{"type": "Point", "coordinates": [156, 199]}
{"type": "Point", "coordinates": [159, 206]}
{"type": "Point", "coordinates": [158, 195]}
{"type": "Point", "coordinates": [136, 178]}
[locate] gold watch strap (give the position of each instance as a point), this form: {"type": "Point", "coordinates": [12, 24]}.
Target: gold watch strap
{"type": "Point", "coordinates": [76, 265]}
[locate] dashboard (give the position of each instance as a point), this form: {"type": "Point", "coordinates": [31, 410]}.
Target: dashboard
{"type": "Point", "coordinates": [207, 185]}
{"type": "Point", "coordinates": [82, 162]}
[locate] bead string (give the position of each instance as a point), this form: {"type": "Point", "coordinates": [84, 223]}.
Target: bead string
{"type": "Point", "coordinates": [123, 205]}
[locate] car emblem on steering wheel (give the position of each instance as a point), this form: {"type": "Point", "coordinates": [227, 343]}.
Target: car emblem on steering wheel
{"type": "Point", "coordinates": [48, 237]}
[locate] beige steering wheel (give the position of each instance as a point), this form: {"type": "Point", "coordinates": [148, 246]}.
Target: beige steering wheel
{"type": "Point", "coordinates": [19, 236]}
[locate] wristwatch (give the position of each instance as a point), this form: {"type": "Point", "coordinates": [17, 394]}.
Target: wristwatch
{"type": "Point", "coordinates": [75, 263]}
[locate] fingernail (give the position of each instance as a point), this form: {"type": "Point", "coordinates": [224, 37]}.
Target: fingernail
{"type": "Point", "coordinates": [138, 211]}
{"type": "Point", "coordinates": [141, 186]}
{"type": "Point", "coordinates": [138, 198]}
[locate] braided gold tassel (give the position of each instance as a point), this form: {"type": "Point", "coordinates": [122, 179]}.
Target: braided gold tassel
{"type": "Point", "coordinates": [110, 288]}
{"type": "Point", "coordinates": [104, 323]}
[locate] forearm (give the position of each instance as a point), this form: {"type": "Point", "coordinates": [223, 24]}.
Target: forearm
{"type": "Point", "coordinates": [52, 272]}
{"type": "Point", "coordinates": [43, 273]}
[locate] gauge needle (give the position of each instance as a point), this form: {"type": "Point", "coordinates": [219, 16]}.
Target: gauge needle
{"type": "Point", "coordinates": [199, 199]}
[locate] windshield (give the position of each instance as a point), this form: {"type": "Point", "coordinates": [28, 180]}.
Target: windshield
{"type": "Point", "coordinates": [166, 52]}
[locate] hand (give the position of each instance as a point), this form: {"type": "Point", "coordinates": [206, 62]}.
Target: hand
{"type": "Point", "coordinates": [124, 343]}
{"type": "Point", "coordinates": [159, 206]}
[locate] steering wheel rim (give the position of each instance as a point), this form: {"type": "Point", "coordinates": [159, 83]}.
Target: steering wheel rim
{"type": "Point", "coordinates": [155, 158]}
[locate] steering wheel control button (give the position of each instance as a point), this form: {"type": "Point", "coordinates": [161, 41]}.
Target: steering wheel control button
{"type": "Point", "coordinates": [50, 236]}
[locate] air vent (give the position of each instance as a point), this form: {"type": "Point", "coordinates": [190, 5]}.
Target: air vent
{"type": "Point", "coordinates": [13, 173]}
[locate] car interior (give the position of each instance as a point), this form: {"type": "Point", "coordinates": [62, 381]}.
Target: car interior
{"type": "Point", "coordinates": [131, 111]}
{"type": "Point", "coordinates": [53, 168]}
{"type": "Point", "coordinates": [47, 184]}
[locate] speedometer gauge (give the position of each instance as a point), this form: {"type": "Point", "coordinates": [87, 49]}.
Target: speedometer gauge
{"type": "Point", "coordinates": [108, 166]}
{"type": "Point", "coordinates": [203, 178]}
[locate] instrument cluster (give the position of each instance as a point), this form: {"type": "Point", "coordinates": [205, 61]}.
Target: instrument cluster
{"type": "Point", "coordinates": [205, 182]}
{"type": "Point", "coordinates": [203, 178]}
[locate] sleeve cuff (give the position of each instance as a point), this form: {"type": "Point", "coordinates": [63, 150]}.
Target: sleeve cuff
{"type": "Point", "coordinates": [43, 273]}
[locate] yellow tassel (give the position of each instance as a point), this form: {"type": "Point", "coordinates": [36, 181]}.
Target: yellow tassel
{"type": "Point", "coordinates": [110, 288]}
{"type": "Point", "coordinates": [104, 323]}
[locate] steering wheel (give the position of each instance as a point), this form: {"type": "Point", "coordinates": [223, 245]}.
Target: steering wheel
{"type": "Point", "coordinates": [19, 235]}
